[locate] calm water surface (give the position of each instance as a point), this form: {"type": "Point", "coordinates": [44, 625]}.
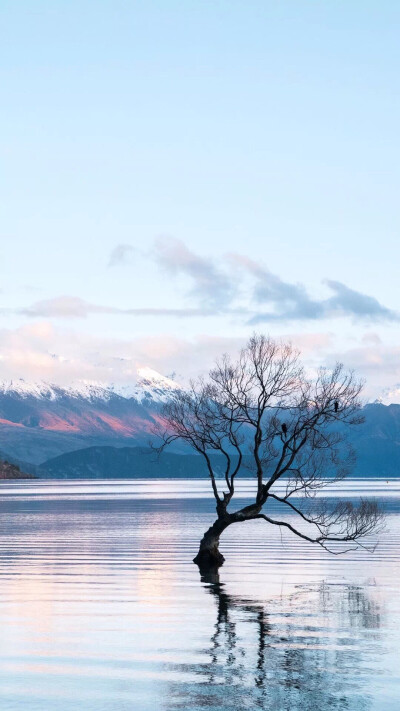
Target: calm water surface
{"type": "Point", "coordinates": [102, 609]}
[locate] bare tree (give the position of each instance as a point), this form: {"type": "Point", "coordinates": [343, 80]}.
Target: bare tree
{"type": "Point", "coordinates": [263, 413]}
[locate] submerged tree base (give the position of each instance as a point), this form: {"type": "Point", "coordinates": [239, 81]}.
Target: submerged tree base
{"type": "Point", "coordinates": [209, 559]}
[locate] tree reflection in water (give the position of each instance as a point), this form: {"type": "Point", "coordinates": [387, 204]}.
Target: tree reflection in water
{"type": "Point", "coordinates": [311, 650]}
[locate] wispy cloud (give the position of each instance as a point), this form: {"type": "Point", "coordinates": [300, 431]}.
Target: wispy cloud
{"type": "Point", "coordinates": [291, 302]}
{"type": "Point", "coordinates": [210, 284]}
{"type": "Point", "coordinates": [120, 255]}
{"type": "Point", "coordinates": [286, 302]}
{"type": "Point", "coordinates": [62, 307]}
{"type": "Point", "coordinates": [220, 288]}
{"type": "Point", "coordinates": [71, 307]}
{"type": "Point", "coordinates": [354, 303]}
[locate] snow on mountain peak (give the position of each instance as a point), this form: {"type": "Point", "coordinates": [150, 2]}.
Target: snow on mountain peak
{"type": "Point", "coordinates": [150, 386]}
{"type": "Point", "coordinates": [154, 385]}
{"type": "Point", "coordinates": [149, 376]}
{"type": "Point", "coordinates": [87, 389]}
{"type": "Point", "coordinates": [23, 388]}
{"type": "Point", "coordinates": [49, 391]}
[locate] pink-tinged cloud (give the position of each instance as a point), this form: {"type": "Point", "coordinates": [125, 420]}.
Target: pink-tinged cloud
{"type": "Point", "coordinates": [39, 351]}
{"type": "Point", "coordinates": [72, 307]}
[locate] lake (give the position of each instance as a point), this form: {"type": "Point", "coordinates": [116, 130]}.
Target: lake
{"type": "Point", "coordinates": [101, 607]}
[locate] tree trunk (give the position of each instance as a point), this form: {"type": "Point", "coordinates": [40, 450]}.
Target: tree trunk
{"type": "Point", "coordinates": [209, 556]}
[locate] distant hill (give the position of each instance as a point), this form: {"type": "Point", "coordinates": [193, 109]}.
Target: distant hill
{"type": "Point", "coordinates": [99, 429]}
{"type": "Point", "coordinates": [377, 441]}
{"type": "Point", "coordinates": [126, 463]}
{"type": "Point", "coordinates": [40, 420]}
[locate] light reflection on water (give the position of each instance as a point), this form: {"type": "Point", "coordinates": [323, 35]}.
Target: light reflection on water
{"type": "Point", "coordinates": [101, 607]}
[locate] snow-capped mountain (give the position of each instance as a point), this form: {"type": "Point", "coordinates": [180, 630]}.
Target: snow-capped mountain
{"type": "Point", "coordinates": [48, 391]}
{"type": "Point", "coordinates": [149, 386]}
{"type": "Point", "coordinates": [39, 420]}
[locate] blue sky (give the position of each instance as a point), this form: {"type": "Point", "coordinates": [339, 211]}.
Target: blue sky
{"type": "Point", "coordinates": [226, 165]}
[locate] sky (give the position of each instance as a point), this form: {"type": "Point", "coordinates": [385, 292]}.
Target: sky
{"type": "Point", "coordinates": [176, 175]}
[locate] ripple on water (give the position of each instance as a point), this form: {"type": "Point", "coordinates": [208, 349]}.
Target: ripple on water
{"type": "Point", "coordinates": [101, 607]}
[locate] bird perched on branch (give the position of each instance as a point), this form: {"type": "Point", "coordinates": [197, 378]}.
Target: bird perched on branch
{"type": "Point", "coordinates": [336, 405]}
{"type": "Point", "coordinates": [284, 429]}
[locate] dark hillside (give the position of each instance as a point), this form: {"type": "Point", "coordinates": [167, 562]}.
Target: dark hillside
{"type": "Point", "coordinates": [12, 471]}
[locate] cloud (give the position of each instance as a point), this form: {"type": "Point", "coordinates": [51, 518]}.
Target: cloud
{"type": "Point", "coordinates": [311, 343]}
{"type": "Point", "coordinates": [371, 339]}
{"type": "Point", "coordinates": [210, 285]}
{"type": "Point", "coordinates": [41, 351]}
{"type": "Point", "coordinates": [354, 303]}
{"type": "Point", "coordinates": [291, 302]}
{"type": "Point", "coordinates": [236, 286]}
{"type": "Point", "coordinates": [287, 302]}
{"type": "Point", "coordinates": [61, 307]}
{"type": "Point", "coordinates": [74, 307]}
{"type": "Point", "coordinates": [120, 255]}
{"type": "Point", "coordinates": [379, 364]}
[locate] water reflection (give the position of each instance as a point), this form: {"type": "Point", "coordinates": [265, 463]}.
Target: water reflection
{"type": "Point", "coordinates": [101, 609]}
{"type": "Point", "coordinates": [310, 650]}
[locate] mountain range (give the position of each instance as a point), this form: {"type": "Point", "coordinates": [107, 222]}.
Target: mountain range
{"type": "Point", "coordinates": [41, 420]}
{"type": "Point", "coordinates": [96, 430]}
